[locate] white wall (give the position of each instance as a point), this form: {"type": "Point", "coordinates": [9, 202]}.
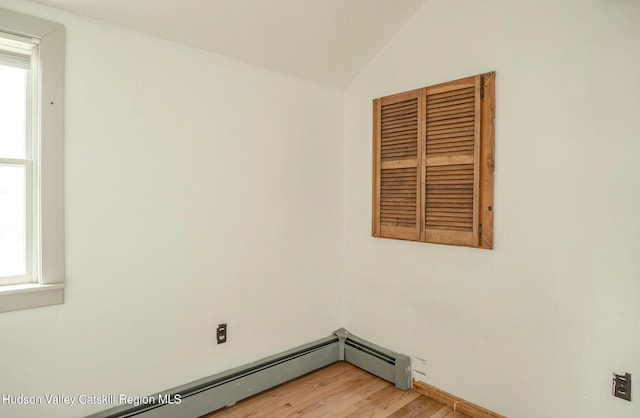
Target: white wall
{"type": "Point", "coordinates": [535, 327]}
{"type": "Point", "coordinates": [199, 190]}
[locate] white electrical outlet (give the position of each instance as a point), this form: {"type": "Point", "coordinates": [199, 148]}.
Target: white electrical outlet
{"type": "Point", "coordinates": [221, 333]}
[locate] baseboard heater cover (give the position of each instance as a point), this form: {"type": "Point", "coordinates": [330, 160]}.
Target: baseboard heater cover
{"type": "Point", "coordinates": [386, 364]}
{"type": "Point", "coordinates": [217, 391]}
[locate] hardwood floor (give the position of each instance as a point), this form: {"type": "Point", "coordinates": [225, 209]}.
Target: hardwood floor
{"type": "Point", "coordinates": [338, 390]}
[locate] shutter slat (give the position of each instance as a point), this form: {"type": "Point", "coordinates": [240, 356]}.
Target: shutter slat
{"type": "Point", "coordinates": [390, 139]}
{"type": "Point", "coordinates": [401, 130]}
{"type": "Point", "coordinates": [440, 193]}
{"type": "Point", "coordinates": [398, 156]}
{"type": "Point", "coordinates": [395, 123]}
{"type": "Point", "coordinates": [400, 123]}
{"type": "Point", "coordinates": [449, 140]}
{"type": "Point", "coordinates": [392, 178]}
{"type": "Point", "coordinates": [451, 144]}
{"type": "Point", "coordinates": [447, 129]}
{"type": "Point", "coordinates": [391, 106]}
{"type": "Point", "coordinates": [397, 176]}
{"type": "Point", "coordinates": [399, 118]}
{"type": "Point", "coordinates": [444, 123]}
{"type": "Point", "coordinates": [394, 107]}
{"type": "Point", "coordinates": [437, 100]}
{"type": "Point", "coordinates": [452, 89]}
{"type": "Point", "coordinates": [399, 146]}
{"type": "Point", "coordinates": [452, 104]}
{"type": "Point", "coordinates": [450, 119]}
{"type": "Point", "coordinates": [452, 212]}
{"type": "Point", "coordinates": [452, 215]}
{"type": "Point", "coordinates": [454, 148]}
{"type": "Point", "coordinates": [441, 151]}
{"type": "Point", "coordinates": [451, 137]}
{"type": "Point", "coordinates": [450, 110]}
{"type": "Point", "coordinates": [405, 112]}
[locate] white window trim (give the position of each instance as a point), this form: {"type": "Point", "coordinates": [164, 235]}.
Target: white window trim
{"type": "Point", "coordinates": [49, 289]}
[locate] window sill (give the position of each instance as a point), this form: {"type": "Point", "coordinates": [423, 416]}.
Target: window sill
{"type": "Point", "coordinates": [26, 296]}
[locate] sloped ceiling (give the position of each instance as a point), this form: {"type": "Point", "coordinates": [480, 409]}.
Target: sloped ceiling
{"type": "Point", "coordinates": [328, 41]}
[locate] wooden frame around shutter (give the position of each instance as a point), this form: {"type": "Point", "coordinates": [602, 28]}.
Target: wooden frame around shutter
{"type": "Point", "coordinates": [454, 162]}
{"type": "Point", "coordinates": [487, 159]}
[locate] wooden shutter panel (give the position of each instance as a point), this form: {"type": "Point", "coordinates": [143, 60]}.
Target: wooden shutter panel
{"type": "Point", "coordinates": [451, 162]}
{"type": "Point", "coordinates": [433, 163]}
{"type": "Point", "coordinates": [397, 151]}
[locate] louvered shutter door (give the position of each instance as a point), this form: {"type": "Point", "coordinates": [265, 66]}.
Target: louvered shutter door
{"type": "Point", "coordinates": [451, 162]}
{"type": "Point", "coordinates": [397, 151]}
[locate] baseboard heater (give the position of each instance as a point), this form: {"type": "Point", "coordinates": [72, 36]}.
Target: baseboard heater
{"type": "Point", "coordinates": [214, 392]}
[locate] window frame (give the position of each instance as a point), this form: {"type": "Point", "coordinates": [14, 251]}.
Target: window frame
{"type": "Point", "coordinates": [401, 155]}
{"type": "Point", "coordinates": [48, 168]}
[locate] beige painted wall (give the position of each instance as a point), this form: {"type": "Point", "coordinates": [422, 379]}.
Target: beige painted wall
{"type": "Point", "coordinates": [535, 327]}
{"type": "Point", "coordinates": [199, 190]}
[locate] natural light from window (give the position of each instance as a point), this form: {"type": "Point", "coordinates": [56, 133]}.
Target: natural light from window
{"type": "Point", "coordinates": [13, 178]}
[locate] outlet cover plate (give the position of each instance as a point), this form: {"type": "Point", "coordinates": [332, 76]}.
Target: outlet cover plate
{"type": "Point", "coordinates": [622, 386]}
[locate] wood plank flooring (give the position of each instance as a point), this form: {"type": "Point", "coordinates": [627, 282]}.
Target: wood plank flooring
{"type": "Point", "coordinates": [338, 390]}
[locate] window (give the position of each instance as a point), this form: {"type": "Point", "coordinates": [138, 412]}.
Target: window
{"type": "Point", "coordinates": [17, 183]}
{"type": "Point", "coordinates": [31, 162]}
{"type": "Point", "coordinates": [433, 163]}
